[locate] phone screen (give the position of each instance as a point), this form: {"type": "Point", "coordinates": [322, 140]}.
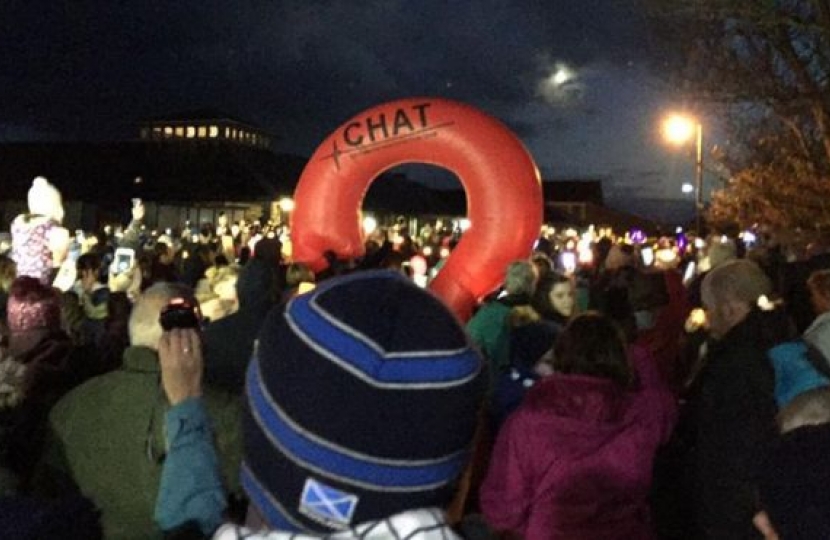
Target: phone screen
{"type": "Point", "coordinates": [689, 274]}
{"type": "Point", "coordinates": [124, 259]}
{"type": "Point", "coordinates": [568, 259]}
{"type": "Point", "coordinates": [647, 254]}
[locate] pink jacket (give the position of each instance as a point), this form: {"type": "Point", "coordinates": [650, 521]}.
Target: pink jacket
{"type": "Point", "coordinates": [575, 460]}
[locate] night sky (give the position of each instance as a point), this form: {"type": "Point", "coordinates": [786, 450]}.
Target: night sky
{"type": "Point", "coordinates": [300, 68]}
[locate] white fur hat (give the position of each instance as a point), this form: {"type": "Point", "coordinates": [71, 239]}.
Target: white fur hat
{"type": "Point", "coordinates": [45, 199]}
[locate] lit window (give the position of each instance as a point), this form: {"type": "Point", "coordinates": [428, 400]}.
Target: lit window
{"type": "Point", "coordinates": [145, 133]}
{"type": "Point", "coordinates": [234, 133]}
{"type": "Point", "coordinates": [227, 133]}
{"type": "Point", "coordinates": [168, 131]}
{"type": "Point", "coordinates": [213, 132]}
{"type": "Point", "coordinates": [191, 132]}
{"type": "Point", "coordinates": [179, 131]}
{"type": "Point", "coordinates": [202, 132]}
{"type": "Point", "coordinates": [157, 131]}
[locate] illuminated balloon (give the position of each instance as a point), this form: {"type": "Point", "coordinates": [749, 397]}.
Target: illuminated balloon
{"type": "Point", "coordinates": [501, 181]}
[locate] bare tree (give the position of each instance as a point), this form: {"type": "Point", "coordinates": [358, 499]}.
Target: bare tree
{"type": "Point", "coordinates": [765, 65]}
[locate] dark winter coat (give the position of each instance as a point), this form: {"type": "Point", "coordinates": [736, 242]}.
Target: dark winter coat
{"type": "Point", "coordinates": [229, 341]}
{"type": "Point", "coordinates": [107, 440]}
{"type": "Point", "coordinates": [733, 410]}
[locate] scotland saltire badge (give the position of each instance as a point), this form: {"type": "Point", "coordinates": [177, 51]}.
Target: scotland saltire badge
{"type": "Point", "coordinates": [327, 505]}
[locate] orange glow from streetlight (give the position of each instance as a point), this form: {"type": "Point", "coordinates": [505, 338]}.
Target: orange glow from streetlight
{"type": "Point", "coordinates": [679, 129]}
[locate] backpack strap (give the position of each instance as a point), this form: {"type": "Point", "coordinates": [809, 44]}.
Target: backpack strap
{"type": "Point", "coordinates": [817, 359]}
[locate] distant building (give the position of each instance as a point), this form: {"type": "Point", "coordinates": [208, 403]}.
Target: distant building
{"type": "Point", "coordinates": [202, 126]}
{"type": "Point", "coordinates": [186, 167]}
{"type": "Point", "coordinates": [581, 203]}
{"type": "Point", "coordinates": [571, 199]}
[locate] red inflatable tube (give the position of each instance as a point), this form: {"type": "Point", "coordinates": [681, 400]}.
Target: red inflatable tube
{"type": "Point", "coordinates": [501, 181]}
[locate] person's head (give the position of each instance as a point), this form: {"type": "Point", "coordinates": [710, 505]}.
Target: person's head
{"type": "Point", "coordinates": [375, 348]}
{"type": "Point", "coordinates": [520, 278]}
{"type": "Point", "coordinates": [819, 285]}
{"type": "Point", "coordinates": [792, 488]}
{"type": "Point", "coordinates": [72, 317]}
{"type": "Point", "coordinates": [719, 252]}
{"type": "Point", "coordinates": [555, 295]}
{"type": "Point", "coordinates": [221, 261]}
{"type": "Point", "coordinates": [163, 253]}
{"type": "Point", "coordinates": [8, 271]}
{"type": "Point", "coordinates": [45, 200]}
{"type": "Point", "coordinates": [543, 264]}
{"type": "Point", "coordinates": [620, 256]}
{"type": "Point", "coordinates": [810, 408]}
{"type": "Point", "coordinates": [88, 266]}
{"type": "Point", "coordinates": [204, 254]}
{"type": "Point", "coordinates": [297, 273]}
{"type": "Point", "coordinates": [647, 294]}
{"type": "Point", "coordinates": [592, 344]}
{"type": "Point", "coordinates": [118, 310]}
{"type": "Point", "coordinates": [730, 292]}
{"type": "Point", "coordinates": [145, 328]}
{"type": "Point", "coordinates": [32, 306]}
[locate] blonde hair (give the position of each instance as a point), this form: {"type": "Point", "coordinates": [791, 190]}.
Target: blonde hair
{"type": "Point", "coordinates": [144, 326]}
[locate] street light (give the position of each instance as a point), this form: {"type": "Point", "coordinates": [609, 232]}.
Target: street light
{"type": "Point", "coordinates": [679, 129]}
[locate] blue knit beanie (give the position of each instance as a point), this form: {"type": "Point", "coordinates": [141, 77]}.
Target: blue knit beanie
{"type": "Point", "coordinates": [362, 403]}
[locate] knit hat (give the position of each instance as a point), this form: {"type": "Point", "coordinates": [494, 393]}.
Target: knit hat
{"type": "Point", "coordinates": [45, 200]}
{"type": "Point", "coordinates": [362, 403]}
{"type": "Point", "coordinates": [32, 306]}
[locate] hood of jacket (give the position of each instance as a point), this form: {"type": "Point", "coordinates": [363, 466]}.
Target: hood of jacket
{"type": "Point", "coordinates": [580, 399]}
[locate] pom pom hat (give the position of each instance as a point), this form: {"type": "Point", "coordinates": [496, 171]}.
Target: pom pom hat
{"type": "Point", "coordinates": [362, 403]}
{"type": "Point", "coordinates": [45, 199]}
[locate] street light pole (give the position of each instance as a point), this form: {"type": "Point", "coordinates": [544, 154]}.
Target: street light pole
{"type": "Point", "coordinates": [699, 178]}
{"type": "Point", "coordinates": [679, 129]}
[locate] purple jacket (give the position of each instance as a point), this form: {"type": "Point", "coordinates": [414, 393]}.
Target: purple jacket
{"type": "Point", "coordinates": [575, 460]}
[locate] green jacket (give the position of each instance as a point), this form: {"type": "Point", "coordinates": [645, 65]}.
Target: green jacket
{"type": "Point", "coordinates": [490, 332]}
{"type": "Point", "coordinates": [107, 439]}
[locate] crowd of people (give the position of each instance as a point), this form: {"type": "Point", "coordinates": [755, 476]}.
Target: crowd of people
{"type": "Point", "coordinates": [190, 387]}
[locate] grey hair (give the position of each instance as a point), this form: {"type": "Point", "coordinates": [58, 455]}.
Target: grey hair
{"type": "Point", "coordinates": [739, 280]}
{"type": "Point", "coordinates": [810, 408]}
{"type": "Point", "coordinates": [144, 326]}
{"type": "Point", "coordinates": [521, 278]}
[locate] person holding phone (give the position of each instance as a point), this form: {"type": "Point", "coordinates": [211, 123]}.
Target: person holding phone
{"type": "Point", "coordinates": [108, 438]}
{"type": "Point", "coordinates": [93, 294]}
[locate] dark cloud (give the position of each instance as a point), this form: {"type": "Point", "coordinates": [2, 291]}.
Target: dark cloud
{"type": "Point", "coordinates": [101, 63]}
{"type": "Point", "coordinates": [300, 68]}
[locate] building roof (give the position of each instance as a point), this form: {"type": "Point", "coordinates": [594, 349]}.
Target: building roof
{"type": "Point", "coordinates": [197, 115]}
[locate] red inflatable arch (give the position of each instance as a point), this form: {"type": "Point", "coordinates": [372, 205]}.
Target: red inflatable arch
{"type": "Point", "coordinates": [501, 181]}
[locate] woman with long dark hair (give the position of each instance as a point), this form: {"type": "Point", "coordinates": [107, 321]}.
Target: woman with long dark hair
{"type": "Point", "coordinates": [554, 298]}
{"type": "Point", "coordinates": [575, 460]}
